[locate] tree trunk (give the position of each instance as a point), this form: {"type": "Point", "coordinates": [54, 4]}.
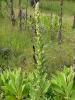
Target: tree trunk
{"type": "Point", "coordinates": [60, 21]}
{"type": "Point", "coordinates": [74, 22]}
{"type": "Point", "coordinates": [20, 13]}
{"type": "Point", "coordinates": [12, 14]}
{"type": "Point", "coordinates": [26, 12]}
{"type": "Point", "coordinates": [0, 6]}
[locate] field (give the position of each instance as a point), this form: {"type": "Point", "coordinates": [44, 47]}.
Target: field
{"type": "Point", "coordinates": [21, 44]}
{"type": "Point", "coordinates": [16, 46]}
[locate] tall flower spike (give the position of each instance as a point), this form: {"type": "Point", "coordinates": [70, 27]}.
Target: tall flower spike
{"type": "Point", "coordinates": [37, 18]}
{"type": "Point", "coordinates": [38, 37]}
{"type": "Point", "coordinates": [40, 58]}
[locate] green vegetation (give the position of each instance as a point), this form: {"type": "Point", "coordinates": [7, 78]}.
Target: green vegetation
{"type": "Point", "coordinates": [15, 85]}
{"type": "Point", "coordinates": [33, 65]}
{"type": "Point", "coordinates": [68, 7]}
{"type": "Point", "coordinates": [20, 43]}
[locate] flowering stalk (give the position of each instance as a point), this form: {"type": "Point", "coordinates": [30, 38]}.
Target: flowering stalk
{"type": "Point", "coordinates": [38, 37]}
{"type": "Point", "coordinates": [40, 58]}
{"type": "Point", "coordinates": [38, 84]}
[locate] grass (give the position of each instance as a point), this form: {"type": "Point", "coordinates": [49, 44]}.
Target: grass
{"type": "Point", "coordinates": [18, 42]}
{"type": "Point", "coordinates": [21, 46]}
{"type": "Point", "coordinates": [47, 6]}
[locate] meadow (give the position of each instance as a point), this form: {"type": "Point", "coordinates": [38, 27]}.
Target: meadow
{"type": "Point", "coordinates": [18, 67]}
{"type": "Point", "coordinates": [20, 43]}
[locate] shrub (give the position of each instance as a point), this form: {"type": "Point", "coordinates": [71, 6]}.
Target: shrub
{"type": "Point", "coordinates": [62, 84]}
{"type": "Point", "coordinates": [14, 85]}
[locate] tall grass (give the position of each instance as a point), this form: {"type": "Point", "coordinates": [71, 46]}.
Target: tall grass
{"type": "Point", "coordinates": [21, 45]}
{"type": "Point", "coordinates": [69, 6]}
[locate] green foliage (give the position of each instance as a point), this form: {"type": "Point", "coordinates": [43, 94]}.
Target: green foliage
{"type": "Point", "coordinates": [39, 85]}
{"type": "Point", "coordinates": [55, 22]}
{"type": "Point", "coordinates": [62, 84]}
{"type": "Point", "coordinates": [54, 6]}
{"type": "Point", "coordinates": [14, 85]}
{"type": "Point", "coordinates": [20, 42]}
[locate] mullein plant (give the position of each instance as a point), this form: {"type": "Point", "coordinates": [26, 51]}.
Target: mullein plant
{"type": "Point", "coordinates": [39, 52]}
{"type": "Point", "coordinates": [62, 84]}
{"type": "Point", "coordinates": [39, 84]}
{"type": "Point", "coordinates": [13, 85]}
{"type": "Point", "coordinates": [38, 37]}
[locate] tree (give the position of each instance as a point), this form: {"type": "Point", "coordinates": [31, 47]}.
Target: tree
{"type": "Point", "coordinates": [0, 5]}
{"type": "Point", "coordinates": [12, 13]}
{"type": "Point", "coordinates": [74, 21]}
{"type": "Point", "coordinates": [20, 13]}
{"type": "Point", "coordinates": [60, 21]}
{"type": "Point", "coordinates": [26, 11]}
